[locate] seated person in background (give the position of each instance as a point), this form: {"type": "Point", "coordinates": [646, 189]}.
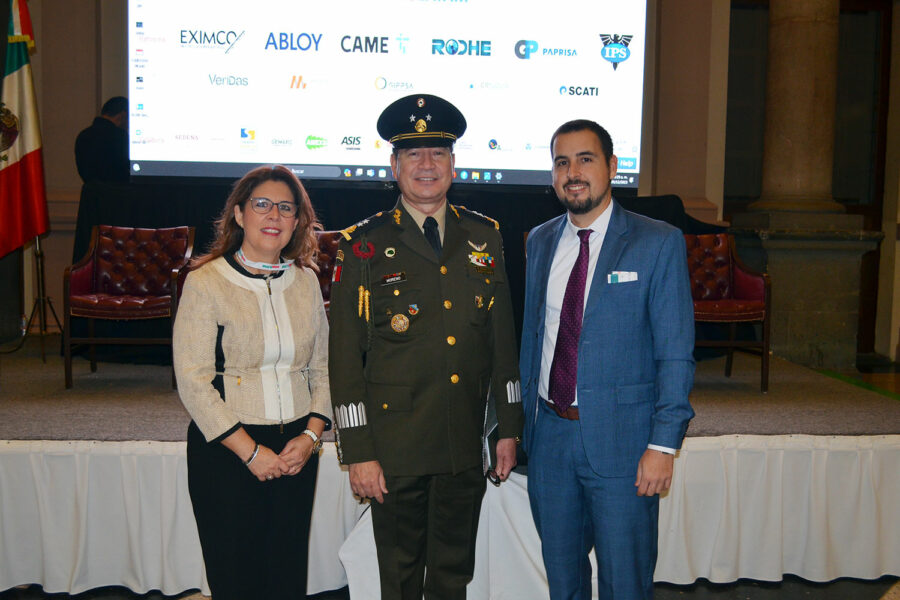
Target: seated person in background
{"type": "Point", "coordinates": [251, 357]}
{"type": "Point", "coordinates": [101, 150]}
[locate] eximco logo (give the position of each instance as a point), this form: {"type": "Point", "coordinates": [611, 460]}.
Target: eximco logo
{"type": "Point", "coordinates": [210, 39]}
{"type": "Point", "coordinates": [615, 48]}
{"type": "Point", "coordinates": [461, 47]}
{"type": "Point", "coordinates": [578, 90]}
{"type": "Point", "coordinates": [524, 49]}
{"type": "Point", "coordinates": [293, 41]}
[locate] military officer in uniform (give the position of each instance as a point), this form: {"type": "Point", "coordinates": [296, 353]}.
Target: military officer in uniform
{"type": "Point", "coordinates": [421, 333]}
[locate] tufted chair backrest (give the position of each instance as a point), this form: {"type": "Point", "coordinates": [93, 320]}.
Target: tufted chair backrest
{"type": "Point", "coordinates": [710, 266]}
{"type": "Point", "coordinates": [138, 262]}
{"type": "Point", "coordinates": [328, 247]}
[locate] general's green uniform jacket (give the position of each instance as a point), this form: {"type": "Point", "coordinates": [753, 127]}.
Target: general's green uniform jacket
{"type": "Point", "coordinates": [410, 367]}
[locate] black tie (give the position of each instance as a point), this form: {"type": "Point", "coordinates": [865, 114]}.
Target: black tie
{"type": "Point", "coordinates": [432, 235]}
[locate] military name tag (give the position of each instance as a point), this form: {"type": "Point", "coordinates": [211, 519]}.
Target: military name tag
{"type": "Point", "coordinates": [393, 278]}
{"type": "Point", "coordinates": [399, 323]}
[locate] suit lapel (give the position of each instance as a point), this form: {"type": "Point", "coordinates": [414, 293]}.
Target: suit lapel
{"type": "Point", "coordinates": [613, 245]}
{"type": "Point", "coordinates": [455, 233]}
{"type": "Point", "coordinates": [543, 260]}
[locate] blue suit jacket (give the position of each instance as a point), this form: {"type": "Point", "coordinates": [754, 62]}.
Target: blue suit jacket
{"type": "Point", "coordinates": [635, 361]}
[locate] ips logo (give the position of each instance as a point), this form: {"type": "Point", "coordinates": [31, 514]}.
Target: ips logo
{"type": "Point", "coordinates": [615, 48]}
{"type": "Point", "coordinates": [461, 47]}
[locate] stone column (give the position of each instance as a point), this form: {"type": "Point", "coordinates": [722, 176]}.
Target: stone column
{"type": "Point", "coordinates": [801, 84]}
{"type": "Point", "coordinates": [811, 249]}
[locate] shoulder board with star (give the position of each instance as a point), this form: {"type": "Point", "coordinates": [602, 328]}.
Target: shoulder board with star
{"type": "Point", "coordinates": [475, 215]}
{"type": "Point", "coordinates": [365, 225]}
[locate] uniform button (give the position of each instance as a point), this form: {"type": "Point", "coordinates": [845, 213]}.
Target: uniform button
{"type": "Point", "coordinates": [384, 406]}
{"type": "Point", "coordinates": [454, 378]}
{"type": "Point", "coordinates": [448, 305]}
{"type": "Point", "coordinates": [488, 281]}
{"type": "Point", "coordinates": [451, 340]}
{"type": "Point", "coordinates": [443, 270]}
{"type": "Point", "coordinates": [396, 292]}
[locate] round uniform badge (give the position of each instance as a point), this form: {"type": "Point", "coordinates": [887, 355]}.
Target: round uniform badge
{"type": "Point", "coordinates": [399, 323]}
{"type": "Point", "coordinates": [390, 252]}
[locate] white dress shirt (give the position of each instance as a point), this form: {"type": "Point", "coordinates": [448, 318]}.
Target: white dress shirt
{"type": "Point", "coordinates": [563, 260]}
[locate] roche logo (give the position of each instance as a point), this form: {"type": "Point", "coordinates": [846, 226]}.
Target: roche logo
{"type": "Point", "coordinates": [220, 39]}
{"type": "Point", "coordinates": [615, 48]}
{"type": "Point", "coordinates": [461, 47]}
{"type": "Point", "coordinates": [301, 42]}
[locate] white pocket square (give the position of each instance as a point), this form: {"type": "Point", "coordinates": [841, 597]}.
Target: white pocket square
{"type": "Point", "coordinates": [621, 277]}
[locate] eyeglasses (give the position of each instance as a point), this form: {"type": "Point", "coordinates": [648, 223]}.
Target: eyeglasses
{"type": "Point", "coordinates": [262, 206]}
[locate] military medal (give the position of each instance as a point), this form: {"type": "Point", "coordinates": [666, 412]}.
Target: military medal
{"type": "Point", "coordinates": [399, 323]}
{"type": "Point", "coordinates": [479, 301]}
{"type": "Point", "coordinates": [369, 252]}
{"type": "Point", "coordinates": [482, 259]}
{"type": "Point", "coordinates": [413, 309]}
{"type": "Point", "coordinates": [336, 275]}
{"type": "Point", "coordinates": [340, 255]}
{"type": "Point", "coordinates": [478, 247]}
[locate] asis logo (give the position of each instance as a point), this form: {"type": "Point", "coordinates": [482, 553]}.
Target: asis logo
{"type": "Point", "coordinates": [350, 142]}
{"type": "Point", "coordinates": [615, 48]}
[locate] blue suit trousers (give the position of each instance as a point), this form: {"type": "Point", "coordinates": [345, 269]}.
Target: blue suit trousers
{"type": "Point", "coordinates": [575, 509]}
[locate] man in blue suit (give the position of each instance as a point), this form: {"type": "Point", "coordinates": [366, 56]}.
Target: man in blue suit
{"type": "Point", "coordinates": [607, 366]}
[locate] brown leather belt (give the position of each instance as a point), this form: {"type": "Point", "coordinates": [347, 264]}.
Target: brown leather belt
{"type": "Point", "coordinates": [570, 413]}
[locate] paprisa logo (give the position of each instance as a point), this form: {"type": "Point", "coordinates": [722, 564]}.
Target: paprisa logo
{"type": "Point", "coordinates": [301, 42]}
{"type": "Point", "coordinates": [524, 49]}
{"type": "Point", "coordinates": [350, 142]}
{"type": "Point", "coordinates": [615, 48]}
{"type": "Point", "coordinates": [461, 47]}
{"type": "Point", "coordinates": [199, 38]}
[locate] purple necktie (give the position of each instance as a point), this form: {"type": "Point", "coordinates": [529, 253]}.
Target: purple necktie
{"type": "Point", "coordinates": [564, 370]}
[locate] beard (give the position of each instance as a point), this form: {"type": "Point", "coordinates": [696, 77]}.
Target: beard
{"type": "Point", "coordinates": [581, 207]}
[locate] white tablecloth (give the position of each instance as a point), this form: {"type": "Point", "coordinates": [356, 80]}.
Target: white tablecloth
{"type": "Point", "coordinates": [81, 515]}
{"type": "Point", "coordinates": [740, 506]}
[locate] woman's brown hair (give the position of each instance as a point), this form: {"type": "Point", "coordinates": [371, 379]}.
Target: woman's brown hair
{"type": "Point", "coordinates": [303, 246]}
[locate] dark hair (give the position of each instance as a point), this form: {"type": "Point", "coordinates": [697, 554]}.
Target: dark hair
{"type": "Point", "coordinates": [586, 125]}
{"type": "Point", "coordinates": [303, 246]}
{"type": "Point", "coordinates": [114, 106]}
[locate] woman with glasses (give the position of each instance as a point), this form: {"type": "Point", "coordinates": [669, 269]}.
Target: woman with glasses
{"type": "Point", "coordinates": [251, 360]}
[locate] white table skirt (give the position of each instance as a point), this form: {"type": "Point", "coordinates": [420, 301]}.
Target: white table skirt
{"type": "Point", "coordinates": [740, 506]}
{"type": "Point", "coordinates": [80, 515]}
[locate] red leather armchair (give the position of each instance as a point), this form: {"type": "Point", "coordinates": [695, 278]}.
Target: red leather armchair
{"type": "Point", "coordinates": [728, 292]}
{"type": "Point", "coordinates": [127, 273]}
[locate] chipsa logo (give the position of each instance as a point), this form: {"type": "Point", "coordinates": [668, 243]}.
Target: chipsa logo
{"type": "Point", "coordinates": [198, 38]}
{"type": "Point", "coordinates": [615, 48]}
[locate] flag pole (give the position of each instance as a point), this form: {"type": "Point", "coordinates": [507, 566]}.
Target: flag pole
{"type": "Point", "coordinates": [41, 303]}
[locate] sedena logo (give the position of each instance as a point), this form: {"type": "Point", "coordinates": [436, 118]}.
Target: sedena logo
{"type": "Point", "coordinates": [615, 48]}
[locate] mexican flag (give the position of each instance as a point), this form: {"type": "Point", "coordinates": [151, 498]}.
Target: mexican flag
{"type": "Point", "coordinates": [23, 201]}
